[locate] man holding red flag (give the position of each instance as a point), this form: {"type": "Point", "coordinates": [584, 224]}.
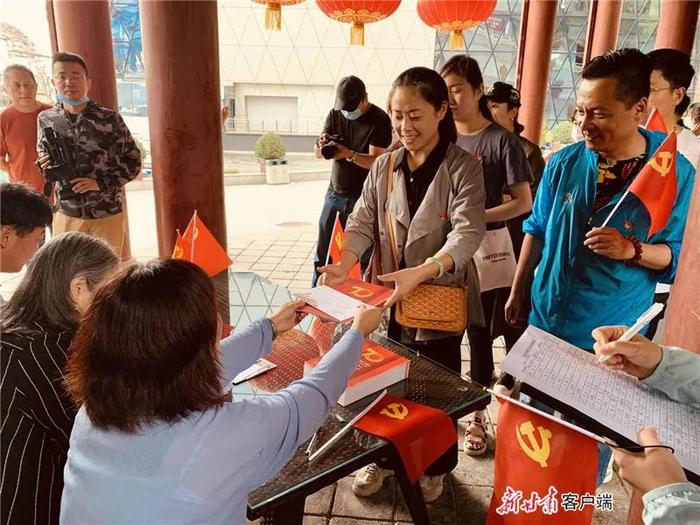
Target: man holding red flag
{"type": "Point", "coordinates": [589, 275]}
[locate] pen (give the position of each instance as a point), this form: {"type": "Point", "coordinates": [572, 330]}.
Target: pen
{"type": "Point", "coordinates": [346, 428]}
{"type": "Point", "coordinates": [312, 443]}
{"type": "Point", "coordinates": [644, 319]}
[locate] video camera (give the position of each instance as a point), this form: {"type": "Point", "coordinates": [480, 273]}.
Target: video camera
{"type": "Point", "coordinates": [330, 148]}
{"type": "Point", "coordinates": [62, 170]}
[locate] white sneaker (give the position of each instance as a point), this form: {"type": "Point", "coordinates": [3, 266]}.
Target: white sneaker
{"type": "Point", "coordinates": [432, 487]}
{"type": "Point", "coordinates": [369, 480]}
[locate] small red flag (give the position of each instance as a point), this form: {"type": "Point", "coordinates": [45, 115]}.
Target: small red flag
{"type": "Point", "coordinates": [336, 246]}
{"type": "Point", "coordinates": [201, 248]}
{"type": "Point", "coordinates": [181, 249]}
{"type": "Point", "coordinates": [655, 122]}
{"type": "Point", "coordinates": [421, 434]}
{"type": "Point", "coordinates": [545, 473]}
{"type": "Point", "coordinates": [656, 184]}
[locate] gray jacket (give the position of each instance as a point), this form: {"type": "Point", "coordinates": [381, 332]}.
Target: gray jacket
{"type": "Point", "coordinates": [450, 220]}
{"type": "Point", "coordinates": [678, 376]}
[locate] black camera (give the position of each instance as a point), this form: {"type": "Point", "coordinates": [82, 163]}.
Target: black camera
{"type": "Point", "coordinates": [330, 148]}
{"type": "Point", "coordinates": [62, 166]}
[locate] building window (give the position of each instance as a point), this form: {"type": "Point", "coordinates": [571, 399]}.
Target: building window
{"type": "Point", "coordinates": [494, 43]}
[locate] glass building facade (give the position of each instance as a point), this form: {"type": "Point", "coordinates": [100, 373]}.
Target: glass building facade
{"type": "Point", "coordinates": [494, 44]}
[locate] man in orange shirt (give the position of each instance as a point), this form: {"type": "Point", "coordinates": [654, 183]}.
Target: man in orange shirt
{"type": "Point", "coordinates": [18, 128]}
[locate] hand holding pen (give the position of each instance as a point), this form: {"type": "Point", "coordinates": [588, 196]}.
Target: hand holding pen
{"type": "Point", "coordinates": [638, 357]}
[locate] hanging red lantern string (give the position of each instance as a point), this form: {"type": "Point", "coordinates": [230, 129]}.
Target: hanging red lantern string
{"type": "Point", "coordinates": [273, 12]}
{"type": "Point", "coordinates": [455, 16]}
{"type": "Point", "coordinates": [358, 13]}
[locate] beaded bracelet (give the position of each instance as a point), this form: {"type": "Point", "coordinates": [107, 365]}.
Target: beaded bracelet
{"type": "Point", "coordinates": [637, 251]}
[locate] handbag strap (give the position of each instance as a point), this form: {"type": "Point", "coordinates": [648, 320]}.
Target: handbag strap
{"type": "Point", "coordinates": [387, 213]}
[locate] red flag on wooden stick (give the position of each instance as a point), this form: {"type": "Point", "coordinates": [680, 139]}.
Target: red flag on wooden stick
{"type": "Point", "coordinates": [655, 122]}
{"type": "Point", "coordinates": [545, 473]}
{"type": "Point", "coordinates": [656, 185]}
{"type": "Point", "coordinates": [199, 246]}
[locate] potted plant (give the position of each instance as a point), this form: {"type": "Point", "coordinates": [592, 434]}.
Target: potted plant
{"type": "Point", "coordinates": [270, 149]}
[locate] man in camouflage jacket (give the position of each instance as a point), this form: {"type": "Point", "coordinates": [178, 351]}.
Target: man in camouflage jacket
{"type": "Point", "coordinates": [102, 156]}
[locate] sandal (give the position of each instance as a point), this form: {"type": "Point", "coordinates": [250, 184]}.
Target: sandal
{"type": "Point", "coordinates": [471, 446]}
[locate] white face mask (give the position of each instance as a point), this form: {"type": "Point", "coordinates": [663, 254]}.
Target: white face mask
{"type": "Point", "coordinates": [352, 115]}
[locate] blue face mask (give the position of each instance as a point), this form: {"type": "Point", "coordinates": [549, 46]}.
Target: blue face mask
{"type": "Point", "coordinates": [352, 115]}
{"type": "Point", "coordinates": [72, 102]}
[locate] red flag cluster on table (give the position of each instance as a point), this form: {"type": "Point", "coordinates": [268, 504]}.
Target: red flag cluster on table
{"type": "Point", "coordinates": [199, 246]}
{"type": "Point", "coordinates": [545, 473]}
{"type": "Point", "coordinates": [656, 185]}
{"type": "Point", "coordinates": [655, 122]}
{"type": "Point", "coordinates": [336, 247]}
{"type": "Point", "coordinates": [421, 434]}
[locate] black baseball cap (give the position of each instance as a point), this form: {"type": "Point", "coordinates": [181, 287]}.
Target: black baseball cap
{"type": "Point", "coordinates": [351, 91]}
{"type": "Point", "coordinates": [503, 92]}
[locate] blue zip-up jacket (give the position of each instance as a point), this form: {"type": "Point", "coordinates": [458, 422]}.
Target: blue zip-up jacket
{"type": "Point", "coordinates": [574, 289]}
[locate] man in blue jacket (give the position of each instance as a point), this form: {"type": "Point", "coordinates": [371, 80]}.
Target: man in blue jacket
{"type": "Point", "coordinates": [588, 276]}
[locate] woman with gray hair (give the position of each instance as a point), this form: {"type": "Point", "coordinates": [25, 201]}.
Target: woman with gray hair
{"type": "Point", "coordinates": [38, 324]}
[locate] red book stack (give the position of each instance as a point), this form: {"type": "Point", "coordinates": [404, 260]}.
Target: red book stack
{"type": "Point", "coordinates": [379, 367]}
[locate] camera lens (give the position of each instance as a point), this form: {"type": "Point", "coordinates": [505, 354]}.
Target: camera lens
{"type": "Point", "coordinates": [329, 150]}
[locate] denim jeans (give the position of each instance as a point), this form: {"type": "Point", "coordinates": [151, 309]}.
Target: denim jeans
{"type": "Point", "coordinates": [604, 451]}
{"type": "Point", "coordinates": [332, 205]}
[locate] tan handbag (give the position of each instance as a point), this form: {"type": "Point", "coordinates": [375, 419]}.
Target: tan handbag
{"type": "Point", "coordinates": [428, 306]}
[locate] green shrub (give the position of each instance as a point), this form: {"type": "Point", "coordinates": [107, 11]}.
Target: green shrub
{"type": "Point", "coordinates": [270, 146]}
{"type": "Point", "coordinates": [230, 170]}
{"type": "Point", "coordinates": [561, 133]}
{"type": "Point", "coordinates": [142, 148]}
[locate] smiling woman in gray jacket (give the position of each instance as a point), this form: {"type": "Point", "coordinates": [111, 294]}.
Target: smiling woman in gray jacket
{"type": "Point", "coordinates": [436, 211]}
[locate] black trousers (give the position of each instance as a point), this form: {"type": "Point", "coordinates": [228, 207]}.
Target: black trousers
{"type": "Point", "coordinates": [446, 352]}
{"type": "Point", "coordinates": [481, 337]}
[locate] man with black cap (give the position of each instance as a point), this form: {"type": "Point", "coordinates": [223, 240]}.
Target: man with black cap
{"type": "Point", "coordinates": [355, 133]}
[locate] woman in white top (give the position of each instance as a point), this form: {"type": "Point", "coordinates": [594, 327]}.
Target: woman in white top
{"type": "Point", "coordinates": [671, 76]}
{"type": "Point", "coordinates": [670, 79]}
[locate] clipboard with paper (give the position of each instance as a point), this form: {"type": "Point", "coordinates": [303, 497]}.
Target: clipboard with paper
{"type": "Point", "coordinates": [618, 404]}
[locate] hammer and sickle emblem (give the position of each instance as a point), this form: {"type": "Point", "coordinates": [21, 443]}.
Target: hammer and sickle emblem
{"type": "Point", "coordinates": [536, 452]}
{"type": "Point", "coordinates": [178, 252]}
{"type": "Point", "coordinates": [358, 291]}
{"type": "Point", "coordinates": [395, 411]}
{"type": "Point", "coordinates": [666, 158]}
{"type": "Point", "coordinates": [371, 355]}
{"type": "Point", "coordinates": [338, 240]}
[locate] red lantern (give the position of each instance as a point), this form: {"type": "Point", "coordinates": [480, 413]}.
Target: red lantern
{"type": "Point", "coordinates": [273, 12]}
{"type": "Point", "coordinates": [455, 16]}
{"type": "Point", "coordinates": [358, 13]}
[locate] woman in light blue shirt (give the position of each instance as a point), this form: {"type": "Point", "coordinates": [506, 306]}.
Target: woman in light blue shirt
{"type": "Point", "coordinates": [155, 441]}
{"type": "Point", "coordinates": [668, 497]}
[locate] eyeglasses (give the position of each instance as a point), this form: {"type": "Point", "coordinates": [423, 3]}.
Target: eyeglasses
{"type": "Point", "coordinates": [76, 77]}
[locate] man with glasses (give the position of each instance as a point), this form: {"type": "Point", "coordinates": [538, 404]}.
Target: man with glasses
{"type": "Point", "coordinates": [89, 154]}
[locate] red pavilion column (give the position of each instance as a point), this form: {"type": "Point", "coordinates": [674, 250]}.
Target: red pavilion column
{"type": "Point", "coordinates": [603, 28]}
{"type": "Point", "coordinates": [678, 22]}
{"type": "Point", "coordinates": [535, 49]}
{"type": "Point", "coordinates": [181, 55]}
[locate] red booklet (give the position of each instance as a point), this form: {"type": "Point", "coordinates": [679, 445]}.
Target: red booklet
{"type": "Point", "coordinates": [378, 368]}
{"type": "Point", "coordinates": [368, 293]}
